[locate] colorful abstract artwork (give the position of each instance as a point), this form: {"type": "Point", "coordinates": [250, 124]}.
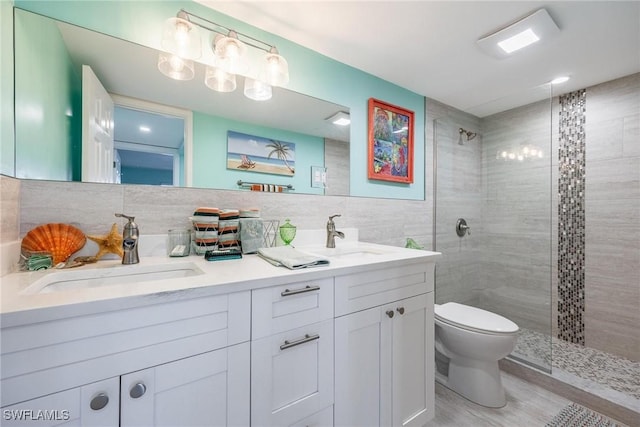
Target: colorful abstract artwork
{"type": "Point", "coordinates": [390, 142]}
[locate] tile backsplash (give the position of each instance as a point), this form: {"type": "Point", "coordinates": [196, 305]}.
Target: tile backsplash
{"type": "Point", "coordinates": [91, 208]}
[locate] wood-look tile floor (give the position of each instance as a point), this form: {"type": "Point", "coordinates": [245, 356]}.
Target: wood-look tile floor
{"type": "Point", "coordinates": [528, 405]}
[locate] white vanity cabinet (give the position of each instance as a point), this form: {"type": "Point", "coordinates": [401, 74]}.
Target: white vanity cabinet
{"type": "Point", "coordinates": [292, 354]}
{"type": "Point", "coordinates": [210, 389]}
{"type": "Point", "coordinates": [384, 352]}
{"type": "Point", "coordinates": [92, 405]}
{"type": "Point", "coordinates": [179, 362]}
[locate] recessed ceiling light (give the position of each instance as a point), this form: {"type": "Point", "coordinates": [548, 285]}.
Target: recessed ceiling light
{"type": "Point", "coordinates": [341, 118]}
{"type": "Point", "coordinates": [559, 80]}
{"type": "Point", "coordinates": [145, 129]}
{"type": "Point", "coordinates": [533, 28]}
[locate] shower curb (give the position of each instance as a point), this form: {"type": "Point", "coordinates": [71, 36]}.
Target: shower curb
{"type": "Point", "coordinates": [582, 397]}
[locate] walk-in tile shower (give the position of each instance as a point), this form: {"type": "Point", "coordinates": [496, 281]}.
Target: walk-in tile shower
{"type": "Point", "coordinates": [551, 192]}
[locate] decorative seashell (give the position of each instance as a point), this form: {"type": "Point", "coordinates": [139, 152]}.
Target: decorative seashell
{"type": "Point", "coordinates": [60, 240]}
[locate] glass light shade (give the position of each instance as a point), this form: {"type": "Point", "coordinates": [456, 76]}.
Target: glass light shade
{"type": "Point", "coordinates": [276, 71]}
{"type": "Point", "coordinates": [231, 54]}
{"type": "Point", "coordinates": [181, 38]}
{"type": "Point", "coordinates": [257, 90]}
{"type": "Point", "coordinates": [175, 67]}
{"type": "Point", "coordinates": [219, 80]}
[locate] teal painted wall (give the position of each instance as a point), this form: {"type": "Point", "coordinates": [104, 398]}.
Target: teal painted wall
{"type": "Point", "coordinates": [7, 164]}
{"type": "Point", "coordinates": [46, 116]}
{"type": "Point", "coordinates": [146, 176]}
{"type": "Point", "coordinates": [210, 155]}
{"type": "Point", "coordinates": [311, 73]}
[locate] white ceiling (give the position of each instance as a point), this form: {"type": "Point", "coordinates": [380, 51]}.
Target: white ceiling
{"type": "Point", "coordinates": [430, 47]}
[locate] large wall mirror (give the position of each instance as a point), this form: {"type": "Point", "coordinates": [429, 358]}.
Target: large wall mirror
{"type": "Point", "coordinates": [166, 132]}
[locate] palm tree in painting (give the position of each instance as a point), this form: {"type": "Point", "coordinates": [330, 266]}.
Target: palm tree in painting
{"type": "Point", "coordinates": [281, 151]}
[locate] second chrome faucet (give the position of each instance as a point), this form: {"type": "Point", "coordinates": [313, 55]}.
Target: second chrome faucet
{"type": "Point", "coordinates": [332, 232]}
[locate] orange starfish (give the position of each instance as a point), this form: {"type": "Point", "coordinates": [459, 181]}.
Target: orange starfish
{"type": "Point", "coordinates": [109, 243]}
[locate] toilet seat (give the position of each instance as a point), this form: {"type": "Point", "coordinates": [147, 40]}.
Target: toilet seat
{"type": "Point", "coordinates": [474, 319]}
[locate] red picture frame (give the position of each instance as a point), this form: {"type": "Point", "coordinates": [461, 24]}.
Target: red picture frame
{"type": "Point", "coordinates": [390, 142]}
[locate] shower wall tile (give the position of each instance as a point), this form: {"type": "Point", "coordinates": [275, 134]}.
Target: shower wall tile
{"type": "Point", "coordinates": [336, 154]}
{"type": "Point", "coordinates": [612, 217]}
{"type": "Point", "coordinates": [516, 217]}
{"type": "Point", "coordinates": [631, 136]}
{"type": "Point", "coordinates": [459, 195]}
{"type": "Point", "coordinates": [571, 221]}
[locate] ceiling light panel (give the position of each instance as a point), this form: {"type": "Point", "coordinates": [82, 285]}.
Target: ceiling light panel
{"type": "Point", "coordinates": [503, 43]}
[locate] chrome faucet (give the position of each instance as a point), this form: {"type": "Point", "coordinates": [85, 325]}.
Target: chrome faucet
{"type": "Point", "coordinates": [130, 235]}
{"type": "Point", "coordinates": [332, 232]}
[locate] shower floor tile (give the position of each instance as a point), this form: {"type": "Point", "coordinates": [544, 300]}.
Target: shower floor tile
{"type": "Point", "coordinates": [612, 377]}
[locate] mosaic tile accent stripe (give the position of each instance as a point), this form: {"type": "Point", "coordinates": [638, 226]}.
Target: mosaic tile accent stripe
{"type": "Point", "coordinates": [571, 221]}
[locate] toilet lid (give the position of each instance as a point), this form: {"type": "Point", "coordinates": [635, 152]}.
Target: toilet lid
{"type": "Point", "coordinates": [474, 318]}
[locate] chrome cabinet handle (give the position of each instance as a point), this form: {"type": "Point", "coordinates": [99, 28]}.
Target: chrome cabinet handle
{"type": "Point", "coordinates": [307, 338]}
{"type": "Point", "coordinates": [99, 401]}
{"type": "Point", "coordinates": [390, 313]}
{"type": "Point", "coordinates": [138, 390]}
{"type": "Point", "coordinates": [400, 310]}
{"type": "Point", "coordinates": [307, 288]}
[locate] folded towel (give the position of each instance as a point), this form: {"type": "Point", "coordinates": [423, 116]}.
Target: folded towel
{"type": "Point", "coordinates": [290, 257]}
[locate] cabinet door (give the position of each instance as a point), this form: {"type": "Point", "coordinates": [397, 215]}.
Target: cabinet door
{"type": "Point", "coordinates": [412, 366]}
{"type": "Point", "coordinates": [384, 365]}
{"type": "Point", "coordinates": [363, 347]}
{"type": "Point", "coordinates": [292, 375]}
{"type": "Point", "coordinates": [211, 389]}
{"type": "Point", "coordinates": [92, 405]}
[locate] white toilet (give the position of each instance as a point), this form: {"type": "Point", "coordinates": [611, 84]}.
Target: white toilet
{"type": "Point", "coordinates": [469, 342]}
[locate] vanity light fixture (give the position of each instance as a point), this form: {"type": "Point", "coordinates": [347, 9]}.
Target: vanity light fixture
{"type": "Point", "coordinates": [182, 44]}
{"type": "Point", "coordinates": [534, 28]}
{"type": "Point", "coordinates": [341, 118]}
{"type": "Point", "coordinates": [559, 80]}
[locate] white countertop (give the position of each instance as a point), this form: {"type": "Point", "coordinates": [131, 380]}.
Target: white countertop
{"type": "Point", "coordinates": [17, 306]}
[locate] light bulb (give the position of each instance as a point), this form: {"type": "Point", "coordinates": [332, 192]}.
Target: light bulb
{"type": "Point", "coordinates": [276, 69]}
{"type": "Point", "coordinates": [181, 38]}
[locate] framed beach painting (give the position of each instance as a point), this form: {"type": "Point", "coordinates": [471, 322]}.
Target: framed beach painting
{"type": "Point", "coordinates": [258, 154]}
{"type": "Point", "coordinates": [390, 142]}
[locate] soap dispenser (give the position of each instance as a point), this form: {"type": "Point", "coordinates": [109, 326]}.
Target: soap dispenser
{"type": "Point", "coordinates": [130, 235]}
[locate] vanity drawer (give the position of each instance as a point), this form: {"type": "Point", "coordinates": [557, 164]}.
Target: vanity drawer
{"type": "Point", "coordinates": [44, 358]}
{"type": "Point", "coordinates": [360, 291]}
{"type": "Point", "coordinates": [281, 308]}
{"type": "Point", "coordinates": [292, 375]}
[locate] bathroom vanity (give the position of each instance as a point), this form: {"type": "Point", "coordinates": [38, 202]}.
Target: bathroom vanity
{"type": "Point", "coordinates": [187, 342]}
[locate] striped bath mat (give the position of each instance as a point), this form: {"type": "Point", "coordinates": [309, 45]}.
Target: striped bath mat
{"type": "Point", "coordinates": [574, 415]}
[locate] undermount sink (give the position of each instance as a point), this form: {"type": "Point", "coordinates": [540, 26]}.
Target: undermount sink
{"type": "Point", "coordinates": [355, 252]}
{"type": "Point", "coordinates": [111, 275]}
